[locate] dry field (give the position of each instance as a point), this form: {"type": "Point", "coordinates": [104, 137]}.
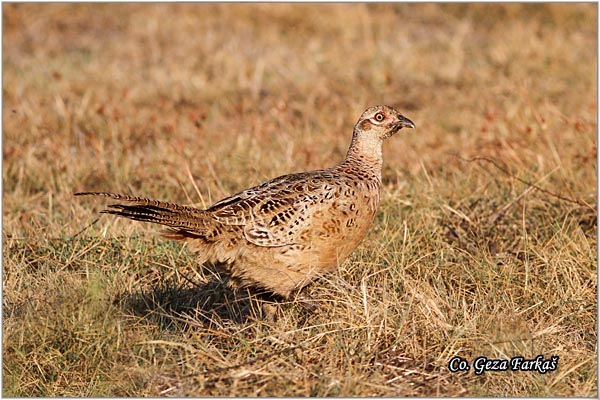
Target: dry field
{"type": "Point", "coordinates": [485, 243]}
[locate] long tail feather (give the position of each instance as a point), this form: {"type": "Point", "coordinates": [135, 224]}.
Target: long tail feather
{"type": "Point", "coordinates": [159, 212]}
{"type": "Point", "coordinates": [141, 201]}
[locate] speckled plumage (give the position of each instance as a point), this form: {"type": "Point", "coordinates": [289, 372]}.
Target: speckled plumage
{"type": "Point", "coordinates": [283, 233]}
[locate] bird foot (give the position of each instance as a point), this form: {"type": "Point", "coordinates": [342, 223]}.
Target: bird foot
{"type": "Point", "coordinates": [307, 302]}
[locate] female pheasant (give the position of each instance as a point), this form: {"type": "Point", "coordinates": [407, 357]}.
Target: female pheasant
{"type": "Point", "coordinates": [283, 233]}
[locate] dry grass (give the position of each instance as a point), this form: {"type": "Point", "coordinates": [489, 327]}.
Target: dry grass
{"type": "Point", "coordinates": [464, 258]}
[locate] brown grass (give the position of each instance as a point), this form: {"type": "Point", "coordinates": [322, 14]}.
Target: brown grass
{"type": "Point", "coordinates": [465, 259]}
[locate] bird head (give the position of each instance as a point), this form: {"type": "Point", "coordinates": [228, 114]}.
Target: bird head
{"type": "Point", "coordinates": [382, 121]}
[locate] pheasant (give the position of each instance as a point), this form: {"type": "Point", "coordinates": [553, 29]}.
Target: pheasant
{"type": "Point", "coordinates": [284, 233]}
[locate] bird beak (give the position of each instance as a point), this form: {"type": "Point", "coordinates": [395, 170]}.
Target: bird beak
{"type": "Point", "coordinates": [405, 123]}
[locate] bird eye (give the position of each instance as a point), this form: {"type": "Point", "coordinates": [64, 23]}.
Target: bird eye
{"type": "Point", "coordinates": [379, 117]}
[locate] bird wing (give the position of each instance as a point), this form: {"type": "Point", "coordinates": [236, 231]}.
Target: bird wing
{"type": "Point", "coordinates": [275, 212]}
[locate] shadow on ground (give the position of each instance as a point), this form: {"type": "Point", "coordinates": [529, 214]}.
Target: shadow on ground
{"type": "Point", "coordinates": [208, 305]}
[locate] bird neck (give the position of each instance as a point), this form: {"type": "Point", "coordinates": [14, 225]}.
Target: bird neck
{"type": "Point", "coordinates": [365, 153]}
